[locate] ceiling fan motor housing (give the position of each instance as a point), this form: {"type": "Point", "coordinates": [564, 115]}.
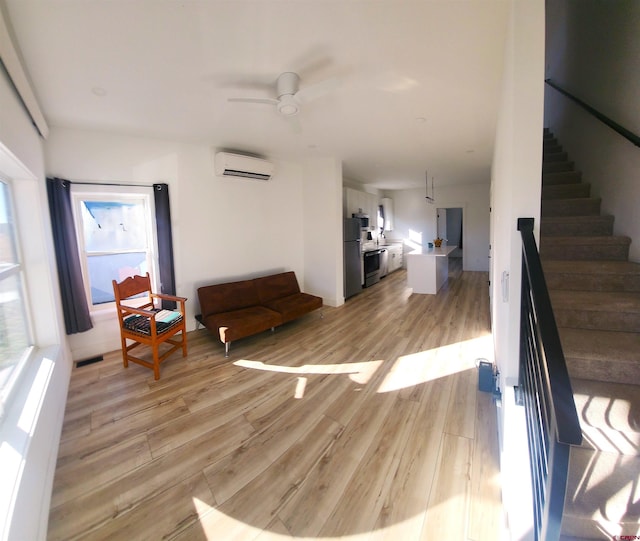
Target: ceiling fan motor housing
{"type": "Point", "coordinates": [287, 86]}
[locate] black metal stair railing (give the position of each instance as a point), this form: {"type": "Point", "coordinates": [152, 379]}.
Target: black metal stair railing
{"type": "Point", "coordinates": [545, 388]}
{"type": "Point", "coordinates": [627, 134]}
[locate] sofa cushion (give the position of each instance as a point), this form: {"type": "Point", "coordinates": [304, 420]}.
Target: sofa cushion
{"type": "Point", "coordinates": [294, 306]}
{"type": "Point", "coordinates": [240, 323]}
{"type": "Point", "coordinates": [227, 297]}
{"type": "Point", "coordinates": [276, 286]}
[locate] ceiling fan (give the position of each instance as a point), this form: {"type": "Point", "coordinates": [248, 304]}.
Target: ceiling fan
{"type": "Point", "coordinates": [289, 95]}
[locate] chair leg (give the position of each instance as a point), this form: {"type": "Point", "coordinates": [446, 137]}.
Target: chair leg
{"type": "Point", "coordinates": [125, 361]}
{"type": "Point", "coordinates": [156, 362]}
{"type": "Point", "coordinates": [184, 343]}
{"type": "Point", "coordinates": [227, 345]}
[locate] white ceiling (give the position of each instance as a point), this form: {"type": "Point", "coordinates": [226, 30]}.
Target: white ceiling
{"type": "Point", "coordinates": [418, 86]}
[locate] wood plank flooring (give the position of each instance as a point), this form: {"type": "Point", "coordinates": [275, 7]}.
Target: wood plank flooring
{"type": "Point", "coordinates": [365, 424]}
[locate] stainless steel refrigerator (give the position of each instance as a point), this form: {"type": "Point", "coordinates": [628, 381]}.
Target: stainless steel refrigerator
{"type": "Point", "coordinates": [352, 257]}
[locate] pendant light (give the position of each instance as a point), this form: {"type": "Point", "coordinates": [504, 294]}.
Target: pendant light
{"type": "Point", "coordinates": [430, 198]}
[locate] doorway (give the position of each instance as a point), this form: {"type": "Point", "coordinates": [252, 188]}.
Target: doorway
{"type": "Point", "coordinates": [449, 227]}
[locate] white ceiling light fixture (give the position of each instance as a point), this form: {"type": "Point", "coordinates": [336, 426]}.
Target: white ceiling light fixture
{"type": "Point", "coordinates": [289, 94]}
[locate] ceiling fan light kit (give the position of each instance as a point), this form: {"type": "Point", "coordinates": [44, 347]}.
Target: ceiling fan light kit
{"type": "Point", "coordinates": [287, 105]}
{"type": "Point", "coordinates": [289, 95]}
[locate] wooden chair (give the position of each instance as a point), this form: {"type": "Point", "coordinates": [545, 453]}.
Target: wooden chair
{"type": "Point", "coordinates": [147, 324]}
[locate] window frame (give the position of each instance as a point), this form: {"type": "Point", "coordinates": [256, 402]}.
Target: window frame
{"type": "Point", "coordinates": [17, 269]}
{"type": "Point", "coordinates": [118, 194]}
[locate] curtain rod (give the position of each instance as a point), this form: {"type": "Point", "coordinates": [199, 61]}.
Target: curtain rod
{"type": "Point", "coordinates": [113, 183]}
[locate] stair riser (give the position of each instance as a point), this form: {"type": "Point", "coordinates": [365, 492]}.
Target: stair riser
{"type": "Point", "coordinates": [566, 191]}
{"type": "Point", "coordinates": [554, 157]}
{"type": "Point", "coordinates": [571, 207]}
{"type": "Point", "coordinates": [598, 320]}
{"type": "Point", "coordinates": [597, 252]}
{"type": "Point", "coordinates": [564, 177]}
{"type": "Point", "coordinates": [556, 167]}
{"type": "Point", "coordinates": [594, 227]}
{"type": "Point", "coordinates": [593, 282]}
{"type": "Point", "coordinates": [550, 141]}
{"type": "Point", "coordinates": [551, 147]}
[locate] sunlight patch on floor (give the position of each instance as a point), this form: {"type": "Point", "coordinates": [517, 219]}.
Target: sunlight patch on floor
{"type": "Point", "coordinates": [432, 364]}
{"type": "Point", "coordinates": [358, 372]}
{"type": "Point", "coordinates": [213, 522]}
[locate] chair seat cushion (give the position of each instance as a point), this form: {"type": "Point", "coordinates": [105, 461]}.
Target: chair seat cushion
{"type": "Point", "coordinates": [142, 325]}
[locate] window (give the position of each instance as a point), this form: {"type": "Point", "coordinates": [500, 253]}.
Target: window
{"type": "Point", "coordinates": [15, 334]}
{"type": "Point", "coordinates": [116, 238]}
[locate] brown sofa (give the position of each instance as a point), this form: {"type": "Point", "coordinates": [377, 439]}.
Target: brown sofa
{"type": "Point", "coordinates": [235, 310]}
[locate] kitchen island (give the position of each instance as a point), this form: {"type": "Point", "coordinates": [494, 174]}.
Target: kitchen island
{"type": "Point", "coordinates": [428, 269]}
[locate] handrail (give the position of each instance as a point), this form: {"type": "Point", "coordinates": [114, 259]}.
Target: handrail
{"type": "Point", "coordinates": [627, 134]}
{"type": "Point", "coordinates": [550, 411]}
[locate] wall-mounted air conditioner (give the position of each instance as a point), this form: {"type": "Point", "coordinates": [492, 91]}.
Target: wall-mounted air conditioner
{"type": "Point", "coordinates": [227, 164]}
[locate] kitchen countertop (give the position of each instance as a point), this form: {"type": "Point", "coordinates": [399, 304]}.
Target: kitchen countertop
{"type": "Point", "coordinates": [443, 251]}
{"type": "Point", "coordinates": [369, 246]}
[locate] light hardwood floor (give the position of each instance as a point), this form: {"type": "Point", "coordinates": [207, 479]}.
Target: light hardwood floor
{"type": "Point", "coordinates": [366, 424]}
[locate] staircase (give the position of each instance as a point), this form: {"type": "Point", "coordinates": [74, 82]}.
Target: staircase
{"type": "Point", "coordinates": [595, 293]}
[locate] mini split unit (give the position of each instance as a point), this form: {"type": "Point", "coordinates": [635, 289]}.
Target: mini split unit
{"type": "Point", "coordinates": [237, 165]}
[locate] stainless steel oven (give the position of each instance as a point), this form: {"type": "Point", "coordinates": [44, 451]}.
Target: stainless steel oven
{"type": "Point", "coordinates": [371, 264]}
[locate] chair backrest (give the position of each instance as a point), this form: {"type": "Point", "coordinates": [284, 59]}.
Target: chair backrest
{"type": "Point", "coordinates": [131, 286]}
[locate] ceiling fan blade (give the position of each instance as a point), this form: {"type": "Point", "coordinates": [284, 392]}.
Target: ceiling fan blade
{"type": "Point", "coordinates": [270, 101]}
{"type": "Point", "coordinates": [317, 90]}
{"type": "Point", "coordinates": [294, 122]}
{"type": "Point", "coordinates": [312, 63]}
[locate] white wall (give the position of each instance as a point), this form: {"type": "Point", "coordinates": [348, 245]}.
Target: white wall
{"type": "Point", "coordinates": [323, 257]}
{"type": "Point", "coordinates": [31, 424]}
{"type": "Point", "coordinates": [223, 228]}
{"type": "Point", "coordinates": [517, 166]}
{"type": "Point", "coordinates": [415, 219]}
{"type": "Point", "coordinates": [593, 50]}
{"type": "Point", "coordinates": [515, 192]}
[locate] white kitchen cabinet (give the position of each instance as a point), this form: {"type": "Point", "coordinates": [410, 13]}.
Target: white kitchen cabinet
{"type": "Point", "coordinates": [354, 201]}
{"type": "Point", "coordinates": [428, 269]}
{"type": "Point", "coordinates": [395, 258]}
{"type": "Point", "coordinates": [358, 201]}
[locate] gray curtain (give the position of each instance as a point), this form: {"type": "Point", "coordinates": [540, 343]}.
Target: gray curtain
{"type": "Point", "coordinates": [165, 243]}
{"type": "Point", "coordinates": [74, 299]}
